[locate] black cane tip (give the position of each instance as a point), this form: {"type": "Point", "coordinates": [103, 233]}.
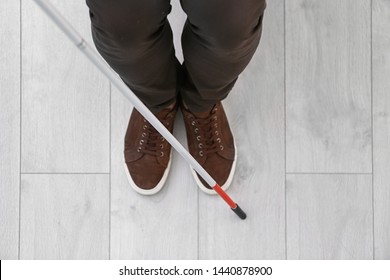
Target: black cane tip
{"type": "Point", "coordinates": [239, 212]}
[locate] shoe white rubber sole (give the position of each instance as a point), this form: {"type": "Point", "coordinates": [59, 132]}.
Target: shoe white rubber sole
{"type": "Point", "coordinates": [157, 188]}
{"type": "Point", "coordinates": [227, 183]}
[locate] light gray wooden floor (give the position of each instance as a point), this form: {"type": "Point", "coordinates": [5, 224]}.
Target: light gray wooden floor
{"type": "Point", "coordinates": [311, 118]}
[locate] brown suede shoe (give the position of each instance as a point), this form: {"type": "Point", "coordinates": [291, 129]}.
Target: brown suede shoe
{"type": "Point", "coordinates": [211, 143]}
{"type": "Point", "coordinates": [147, 153]}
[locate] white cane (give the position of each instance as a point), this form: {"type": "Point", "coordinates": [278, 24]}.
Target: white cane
{"type": "Point", "coordinates": [116, 80]}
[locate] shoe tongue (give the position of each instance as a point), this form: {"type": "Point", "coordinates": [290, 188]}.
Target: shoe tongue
{"type": "Point", "coordinates": [202, 115]}
{"type": "Point", "coordinates": [162, 114]}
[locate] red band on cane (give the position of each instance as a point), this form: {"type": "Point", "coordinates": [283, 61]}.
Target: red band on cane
{"type": "Point", "coordinates": [225, 197]}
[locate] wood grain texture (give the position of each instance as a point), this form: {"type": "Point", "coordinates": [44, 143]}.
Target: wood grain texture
{"type": "Point", "coordinates": [65, 104]}
{"type": "Point", "coordinates": [255, 109]}
{"type": "Point", "coordinates": [9, 128]}
{"type": "Point", "coordinates": [176, 19]}
{"type": "Point", "coordinates": [65, 217]}
{"type": "Point", "coordinates": [381, 108]}
{"type": "Point", "coordinates": [66, 128]}
{"type": "Point", "coordinates": [163, 226]}
{"type": "Point", "coordinates": [328, 86]}
{"type": "Point", "coordinates": [329, 217]}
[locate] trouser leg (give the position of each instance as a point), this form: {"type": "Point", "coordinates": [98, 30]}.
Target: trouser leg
{"type": "Point", "coordinates": [219, 39]}
{"type": "Point", "coordinates": [135, 38]}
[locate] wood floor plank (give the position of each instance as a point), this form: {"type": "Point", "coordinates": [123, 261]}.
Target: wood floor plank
{"type": "Point", "coordinates": [65, 104]}
{"type": "Point", "coordinates": [329, 216]}
{"type": "Point", "coordinates": [381, 108]}
{"type": "Point", "coordinates": [328, 86]}
{"type": "Point", "coordinates": [9, 128]}
{"type": "Point", "coordinates": [255, 109]}
{"type": "Point", "coordinates": [65, 217]}
{"type": "Point", "coordinates": [163, 226]}
{"type": "Point", "coordinates": [176, 19]}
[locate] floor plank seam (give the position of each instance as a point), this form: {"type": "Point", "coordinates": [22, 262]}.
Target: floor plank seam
{"type": "Point", "coordinates": [372, 142]}
{"type": "Point", "coordinates": [328, 173]}
{"type": "Point", "coordinates": [198, 251]}
{"type": "Point", "coordinates": [65, 173]}
{"type": "Point", "coordinates": [20, 121]}
{"type": "Point", "coordinates": [109, 176]}
{"type": "Point", "coordinates": [301, 186]}
{"type": "Point", "coordinates": [285, 130]}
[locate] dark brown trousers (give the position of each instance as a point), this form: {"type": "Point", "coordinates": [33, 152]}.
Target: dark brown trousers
{"type": "Point", "coordinates": [218, 40]}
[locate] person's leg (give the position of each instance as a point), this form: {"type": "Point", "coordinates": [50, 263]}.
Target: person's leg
{"type": "Point", "coordinates": [135, 38]}
{"type": "Point", "coordinates": [219, 40]}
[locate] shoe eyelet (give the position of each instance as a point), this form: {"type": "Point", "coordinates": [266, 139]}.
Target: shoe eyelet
{"type": "Point", "coordinates": [221, 147]}
{"type": "Point", "coordinates": [141, 142]}
{"type": "Point", "coordinates": [143, 134]}
{"type": "Point", "coordinates": [215, 118]}
{"type": "Point", "coordinates": [139, 149]}
{"type": "Point", "coordinates": [219, 140]}
{"type": "Point", "coordinates": [196, 130]}
{"type": "Point", "coordinates": [193, 123]}
{"type": "Point", "coordinates": [162, 154]}
{"type": "Point", "coordinates": [198, 137]}
{"type": "Point", "coordinates": [145, 120]}
{"type": "Point", "coordinates": [201, 153]}
{"type": "Point", "coordinates": [145, 127]}
{"type": "Point", "coordinates": [216, 132]}
{"type": "Point", "coordinates": [161, 146]}
{"type": "Point", "coordinates": [162, 139]}
{"type": "Point", "coordinates": [167, 123]}
{"type": "Point", "coordinates": [200, 145]}
{"type": "Point", "coordinates": [216, 125]}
